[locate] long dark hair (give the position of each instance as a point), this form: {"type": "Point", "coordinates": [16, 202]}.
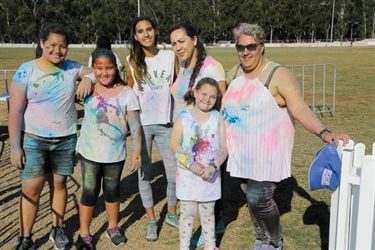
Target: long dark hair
{"type": "Point", "coordinates": [137, 55]}
{"type": "Point", "coordinates": [107, 53]}
{"type": "Point", "coordinates": [44, 33]}
{"type": "Point", "coordinates": [202, 54]}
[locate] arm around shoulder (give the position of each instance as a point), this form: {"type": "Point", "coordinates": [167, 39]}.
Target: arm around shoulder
{"type": "Point", "coordinates": [87, 81]}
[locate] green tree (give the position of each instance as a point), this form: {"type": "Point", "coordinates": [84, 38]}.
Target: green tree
{"type": "Point", "coordinates": [308, 20]}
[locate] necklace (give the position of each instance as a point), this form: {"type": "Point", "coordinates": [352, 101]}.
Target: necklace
{"type": "Point", "coordinates": [254, 74]}
{"type": "Point", "coordinates": [264, 68]}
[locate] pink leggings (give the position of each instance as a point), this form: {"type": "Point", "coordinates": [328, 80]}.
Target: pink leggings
{"type": "Point", "coordinates": [188, 210]}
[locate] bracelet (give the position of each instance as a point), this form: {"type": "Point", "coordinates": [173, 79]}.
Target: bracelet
{"type": "Point", "coordinates": [215, 165]}
{"type": "Point", "coordinates": [325, 130]}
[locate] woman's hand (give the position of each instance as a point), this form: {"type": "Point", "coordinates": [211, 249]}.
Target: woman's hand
{"type": "Point", "coordinates": [328, 137]}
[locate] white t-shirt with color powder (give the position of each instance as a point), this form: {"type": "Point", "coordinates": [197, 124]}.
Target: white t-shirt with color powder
{"type": "Point", "coordinates": [50, 110]}
{"type": "Point", "coordinates": [155, 97]}
{"type": "Point", "coordinates": [202, 142]}
{"type": "Point", "coordinates": [104, 130]}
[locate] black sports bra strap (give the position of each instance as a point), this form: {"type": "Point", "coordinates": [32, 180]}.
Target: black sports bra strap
{"type": "Point", "coordinates": [270, 76]}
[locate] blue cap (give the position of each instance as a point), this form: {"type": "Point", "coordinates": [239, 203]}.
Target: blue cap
{"type": "Point", "coordinates": [325, 170]}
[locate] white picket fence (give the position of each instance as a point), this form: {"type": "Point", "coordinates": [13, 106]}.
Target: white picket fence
{"type": "Point", "coordinates": [352, 218]}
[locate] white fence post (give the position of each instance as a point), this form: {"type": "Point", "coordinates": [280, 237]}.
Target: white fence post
{"type": "Point", "coordinates": [335, 201]}
{"type": "Point", "coordinates": [353, 203]}
{"type": "Point", "coordinates": [365, 226]}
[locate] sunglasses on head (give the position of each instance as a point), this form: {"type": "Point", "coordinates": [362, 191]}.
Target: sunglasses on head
{"type": "Point", "coordinates": [249, 47]}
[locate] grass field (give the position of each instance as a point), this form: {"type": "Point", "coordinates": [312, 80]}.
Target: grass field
{"type": "Point", "coordinates": [305, 214]}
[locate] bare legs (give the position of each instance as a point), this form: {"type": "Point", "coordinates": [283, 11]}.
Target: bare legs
{"type": "Point", "coordinates": [29, 203]}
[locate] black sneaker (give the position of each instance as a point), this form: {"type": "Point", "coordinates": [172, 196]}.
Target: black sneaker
{"type": "Point", "coordinates": [116, 237]}
{"type": "Point", "coordinates": [24, 243]}
{"type": "Point", "coordinates": [84, 242]}
{"type": "Point", "coordinates": [58, 237]}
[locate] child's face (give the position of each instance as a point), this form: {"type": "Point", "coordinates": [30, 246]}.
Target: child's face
{"type": "Point", "coordinates": [55, 48]}
{"type": "Point", "coordinates": [205, 97]}
{"type": "Point", "coordinates": [104, 70]}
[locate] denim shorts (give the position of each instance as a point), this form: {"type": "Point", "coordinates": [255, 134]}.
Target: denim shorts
{"type": "Point", "coordinates": [44, 155]}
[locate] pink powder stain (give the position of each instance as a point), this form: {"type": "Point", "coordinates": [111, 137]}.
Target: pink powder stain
{"type": "Point", "coordinates": [200, 149]}
{"type": "Point", "coordinates": [271, 137]}
{"type": "Point", "coordinates": [249, 92]}
{"type": "Point", "coordinates": [245, 92]}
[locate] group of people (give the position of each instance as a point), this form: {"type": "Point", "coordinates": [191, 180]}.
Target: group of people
{"type": "Point", "coordinates": [200, 122]}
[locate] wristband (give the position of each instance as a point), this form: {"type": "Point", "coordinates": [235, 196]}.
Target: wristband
{"type": "Point", "coordinates": [215, 165]}
{"type": "Point", "coordinates": [92, 77]}
{"type": "Point", "coordinates": [325, 130]}
{"type": "Point", "coordinates": [184, 158]}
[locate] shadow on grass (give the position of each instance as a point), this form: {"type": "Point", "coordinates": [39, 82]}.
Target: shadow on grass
{"type": "Point", "coordinates": [128, 188]}
{"type": "Point", "coordinates": [3, 137]}
{"type": "Point", "coordinates": [233, 199]}
{"type": "Point", "coordinates": [316, 214]}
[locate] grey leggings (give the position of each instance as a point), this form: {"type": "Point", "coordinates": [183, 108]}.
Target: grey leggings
{"type": "Point", "coordinates": [161, 134]}
{"type": "Point", "coordinates": [263, 210]}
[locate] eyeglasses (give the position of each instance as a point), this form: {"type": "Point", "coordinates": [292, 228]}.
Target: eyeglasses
{"type": "Point", "coordinates": [249, 47]}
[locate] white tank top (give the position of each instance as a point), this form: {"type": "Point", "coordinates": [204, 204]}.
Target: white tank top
{"type": "Point", "coordinates": [202, 142]}
{"type": "Point", "coordinates": [260, 134]}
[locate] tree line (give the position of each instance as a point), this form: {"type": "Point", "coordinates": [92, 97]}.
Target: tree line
{"type": "Point", "coordinates": [282, 20]}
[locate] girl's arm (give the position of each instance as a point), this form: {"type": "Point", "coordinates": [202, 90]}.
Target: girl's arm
{"type": "Point", "coordinates": [182, 156]}
{"type": "Point", "coordinates": [87, 81]}
{"type": "Point", "coordinates": [129, 76]}
{"type": "Point", "coordinates": [16, 119]}
{"type": "Point", "coordinates": [221, 155]}
{"type": "Point", "coordinates": [135, 131]}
